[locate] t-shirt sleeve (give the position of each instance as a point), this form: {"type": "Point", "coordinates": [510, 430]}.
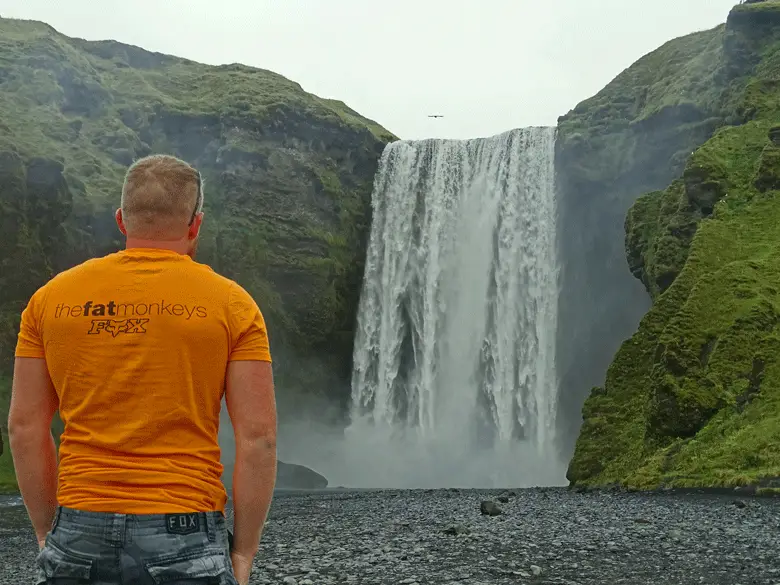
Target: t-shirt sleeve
{"type": "Point", "coordinates": [29, 342]}
{"type": "Point", "coordinates": [249, 338]}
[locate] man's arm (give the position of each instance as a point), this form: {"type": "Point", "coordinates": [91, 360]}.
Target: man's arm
{"type": "Point", "coordinates": [33, 404]}
{"type": "Point", "coordinates": [251, 405]}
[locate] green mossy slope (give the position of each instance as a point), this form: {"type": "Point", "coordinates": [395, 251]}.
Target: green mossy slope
{"type": "Point", "coordinates": [634, 136]}
{"type": "Point", "coordinates": [288, 182]}
{"type": "Point", "coordinates": [693, 398]}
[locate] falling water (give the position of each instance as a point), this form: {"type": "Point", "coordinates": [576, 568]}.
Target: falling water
{"type": "Point", "coordinates": [454, 365]}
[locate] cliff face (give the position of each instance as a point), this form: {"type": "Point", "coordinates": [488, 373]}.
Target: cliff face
{"type": "Point", "coordinates": [692, 398]}
{"type": "Point", "coordinates": [634, 136]}
{"type": "Point", "coordinates": [288, 178]}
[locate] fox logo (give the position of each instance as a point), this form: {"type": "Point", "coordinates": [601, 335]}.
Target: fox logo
{"type": "Point", "coordinates": [115, 327]}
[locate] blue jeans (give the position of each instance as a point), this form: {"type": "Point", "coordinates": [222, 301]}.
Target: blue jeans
{"type": "Point", "coordinates": [135, 549]}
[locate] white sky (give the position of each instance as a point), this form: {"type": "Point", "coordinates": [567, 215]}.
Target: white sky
{"type": "Point", "coordinates": [486, 65]}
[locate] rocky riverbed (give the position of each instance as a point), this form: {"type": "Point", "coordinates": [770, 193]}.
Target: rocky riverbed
{"type": "Point", "coordinates": [543, 536]}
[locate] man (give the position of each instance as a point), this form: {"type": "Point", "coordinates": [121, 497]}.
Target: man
{"type": "Point", "coordinates": [136, 350]}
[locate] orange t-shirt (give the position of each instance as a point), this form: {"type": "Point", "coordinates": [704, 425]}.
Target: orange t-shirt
{"type": "Point", "coordinates": [137, 345]}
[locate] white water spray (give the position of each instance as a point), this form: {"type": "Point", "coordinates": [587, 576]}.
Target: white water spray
{"type": "Point", "coordinates": [454, 379]}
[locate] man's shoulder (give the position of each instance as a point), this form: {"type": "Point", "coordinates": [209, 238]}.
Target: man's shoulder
{"type": "Point", "coordinates": [109, 261]}
{"type": "Point", "coordinates": [209, 278]}
{"type": "Point", "coordinates": [80, 270]}
{"type": "Point", "coordinates": [214, 277]}
{"type": "Point", "coordinates": [60, 279]}
{"type": "Point", "coordinates": [96, 269]}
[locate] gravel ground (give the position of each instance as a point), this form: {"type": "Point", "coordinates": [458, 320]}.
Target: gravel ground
{"type": "Point", "coordinates": [544, 536]}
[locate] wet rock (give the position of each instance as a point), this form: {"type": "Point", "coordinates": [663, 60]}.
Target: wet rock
{"type": "Point", "coordinates": [489, 508]}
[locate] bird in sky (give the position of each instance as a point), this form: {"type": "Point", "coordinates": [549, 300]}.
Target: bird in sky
{"type": "Point", "coordinates": [435, 116]}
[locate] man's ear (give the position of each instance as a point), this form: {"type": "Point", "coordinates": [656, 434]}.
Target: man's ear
{"type": "Point", "coordinates": [194, 229]}
{"type": "Point", "coordinates": [120, 222]}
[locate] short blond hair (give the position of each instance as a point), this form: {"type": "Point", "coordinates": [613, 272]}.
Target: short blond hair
{"type": "Point", "coordinates": [160, 196]}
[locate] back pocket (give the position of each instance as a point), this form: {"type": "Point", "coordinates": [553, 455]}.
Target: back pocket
{"type": "Point", "coordinates": [193, 568]}
{"type": "Point", "coordinates": [56, 566]}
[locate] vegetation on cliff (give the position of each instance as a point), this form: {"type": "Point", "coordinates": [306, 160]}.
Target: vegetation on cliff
{"type": "Point", "coordinates": [288, 178]}
{"type": "Point", "coordinates": [693, 398]}
{"type": "Point", "coordinates": [634, 136]}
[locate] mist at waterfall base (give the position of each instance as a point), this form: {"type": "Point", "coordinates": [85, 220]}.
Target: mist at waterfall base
{"type": "Point", "coordinates": [454, 381]}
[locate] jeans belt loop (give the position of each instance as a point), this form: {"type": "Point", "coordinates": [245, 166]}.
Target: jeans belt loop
{"type": "Point", "coordinates": [211, 527]}
{"type": "Point", "coordinates": [56, 520]}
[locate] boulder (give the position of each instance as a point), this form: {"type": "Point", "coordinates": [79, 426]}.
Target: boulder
{"type": "Point", "coordinates": [488, 508]}
{"type": "Point", "coordinates": [290, 476]}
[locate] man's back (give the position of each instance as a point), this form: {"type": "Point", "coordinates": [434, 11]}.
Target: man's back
{"type": "Point", "coordinates": [137, 344]}
{"type": "Point", "coordinates": [136, 350]}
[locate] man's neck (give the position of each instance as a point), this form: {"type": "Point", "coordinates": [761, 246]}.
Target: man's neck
{"type": "Point", "coordinates": [178, 246]}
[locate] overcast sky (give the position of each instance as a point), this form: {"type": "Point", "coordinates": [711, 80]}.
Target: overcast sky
{"type": "Point", "coordinates": [486, 65]}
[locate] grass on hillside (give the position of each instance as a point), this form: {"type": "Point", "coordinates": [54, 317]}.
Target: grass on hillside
{"type": "Point", "coordinates": [661, 225]}
{"type": "Point", "coordinates": [673, 92]}
{"type": "Point", "coordinates": [90, 104]}
{"type": "Point", "coordinates": [681, 71]}
{"type": "Point", "coordinates": [693, 399]}
{"type": "Point", "coordinates": [759, 7]}
{"type": "Point", "coordinates": [7, 477]}
{"type": "Point", "coordinates": [112, 75]}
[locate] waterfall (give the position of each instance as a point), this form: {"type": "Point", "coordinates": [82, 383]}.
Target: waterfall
{"type": "Point", "coordinates": [454, 378]}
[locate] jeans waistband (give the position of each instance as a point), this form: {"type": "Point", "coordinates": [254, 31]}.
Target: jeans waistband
{"type": "Point", "coordinates": [114, 525]}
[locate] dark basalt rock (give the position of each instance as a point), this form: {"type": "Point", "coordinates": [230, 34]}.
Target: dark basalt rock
{"type": "Point", "coordinates": [488, 508]}
{"type": "Point", "coordinates": [290, 476]}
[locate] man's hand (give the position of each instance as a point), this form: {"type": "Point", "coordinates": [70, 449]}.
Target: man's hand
{"type": "Point", "coordinates": [41, 543]}
{"type": "Point", "coordinates": [242, 567]}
